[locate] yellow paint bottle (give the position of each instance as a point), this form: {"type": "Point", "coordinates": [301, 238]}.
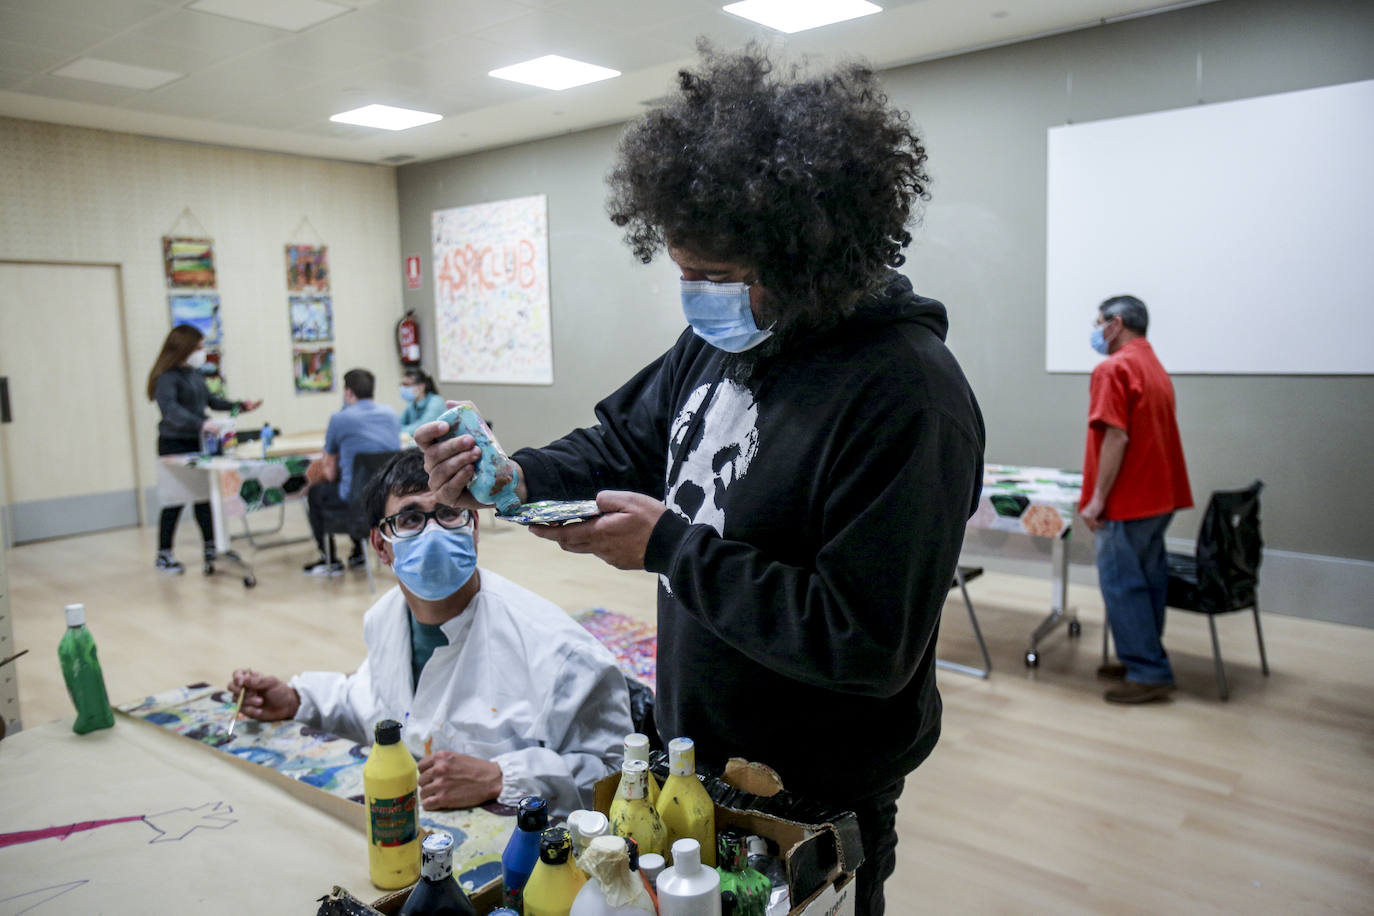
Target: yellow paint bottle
{"type": "Point", "coordinates": [637, 748]}
{"type": "Point", "coordinates": [390, 786]}
{"type": "Point", "coordinates": [556, 879]}
{"type": "Point", "coordinates": [631, 814]}
{"type": "Point", "coordinates": [684, 806]}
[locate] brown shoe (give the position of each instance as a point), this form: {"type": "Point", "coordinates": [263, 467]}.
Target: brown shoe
{"type": "Point", "coordinates": [1111, 672]}
{"type": "Point", "coordinates": [1136, 692]}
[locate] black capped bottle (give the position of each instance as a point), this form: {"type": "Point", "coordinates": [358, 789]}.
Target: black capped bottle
{"type": "Point", "coordinates": [556, 879]}
{"type": "Point", "coordinates": [438, 893]}
{"type": "Point", "coordinates": [522, 849]}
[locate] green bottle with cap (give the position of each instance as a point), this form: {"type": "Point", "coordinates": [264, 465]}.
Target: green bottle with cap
{"type": "Point", "coordinates": [81, 671]}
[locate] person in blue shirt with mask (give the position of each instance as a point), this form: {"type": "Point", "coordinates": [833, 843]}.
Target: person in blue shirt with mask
{"type": "Point", "coordinates": [501, 693]}
{"type": "Point", "coordinates": [362, 425]}
{"type": "Point", "coordinates": [422, 399]}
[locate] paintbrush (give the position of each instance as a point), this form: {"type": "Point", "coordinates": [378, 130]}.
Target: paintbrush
{"type": "Point", "coordinates": [6, 661]}
{"type": "Point", "coordinates": [234, 719]}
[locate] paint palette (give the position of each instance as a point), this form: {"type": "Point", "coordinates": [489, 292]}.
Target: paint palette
{"type": "Point", "coordinates": [554, 512]}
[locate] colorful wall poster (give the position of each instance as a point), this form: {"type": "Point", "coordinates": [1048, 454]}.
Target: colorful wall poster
{"type": "Point", "coordinates": [314, 369]}
{"type": "Point", "coordinates": [200, 311]}
{"type": "Point", "coordinates": [188, 262]}
{"type": "Point", "coordinates": [312, 318]}
{"type": "Point", "coordinates": [491, 292]}
{"type": "Point", "coordinates": [307, 268]}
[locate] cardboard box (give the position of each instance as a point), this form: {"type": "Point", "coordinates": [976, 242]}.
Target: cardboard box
{"type": "Point", "coordinates": [820, 849]}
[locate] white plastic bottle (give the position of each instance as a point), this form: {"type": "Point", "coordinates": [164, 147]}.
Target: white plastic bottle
{"type": "Point", "coordinates": [586, 826]}
{"type": "Point", "coordinates": [613, 890]}
{"type": "Point", "coordinates": [686, 888]}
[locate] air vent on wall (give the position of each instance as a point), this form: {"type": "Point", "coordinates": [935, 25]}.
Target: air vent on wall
{"type": "Point", "coordinates": [400, 159]}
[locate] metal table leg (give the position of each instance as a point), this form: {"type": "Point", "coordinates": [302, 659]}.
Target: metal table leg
{"type": "Point", "coordinates": [1059, 601]}
{"type": "Point", "coordinates": [984, 671]}
{"type": "Point", "coordinates": [223, 551]}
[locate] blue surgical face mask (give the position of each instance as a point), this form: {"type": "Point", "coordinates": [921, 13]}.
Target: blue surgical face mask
{"type": "Point", "coordinates": [437, 562]}
{"type": "Point", "coordinates": [407, 394]}
{"type": "Point", "coordinates": [1099, 342]}
{"type": "Point", "coordinates": [719, 313]}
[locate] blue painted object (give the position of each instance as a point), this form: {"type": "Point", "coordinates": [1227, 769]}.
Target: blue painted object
{"type": "Point", "coordinates": [496, 477]}
{"type": "Point", "coordinates": [522, 850]}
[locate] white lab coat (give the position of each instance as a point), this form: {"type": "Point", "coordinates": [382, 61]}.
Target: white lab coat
{"type": "Point", "coordinates": [519, 683]}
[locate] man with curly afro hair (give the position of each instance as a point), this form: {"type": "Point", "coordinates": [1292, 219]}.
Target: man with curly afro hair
{"type": "Point", "coordinates": [798, 468]}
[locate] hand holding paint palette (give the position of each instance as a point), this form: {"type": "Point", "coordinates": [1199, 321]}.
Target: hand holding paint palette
{"type": "Point", "coordinates": [495, 476]}
{"type": "Point", "coordinates": [554, 512]}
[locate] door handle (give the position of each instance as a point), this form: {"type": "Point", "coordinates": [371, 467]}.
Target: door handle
{"type": "Point", "coordinates": [5, 400]}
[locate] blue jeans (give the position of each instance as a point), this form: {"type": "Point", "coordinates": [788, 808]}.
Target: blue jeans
{"type": "Point", "coordinates": [1133, 573]}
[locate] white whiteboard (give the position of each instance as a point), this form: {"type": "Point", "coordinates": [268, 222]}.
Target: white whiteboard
{"type": "Point", "coordinates": [1246, 227]}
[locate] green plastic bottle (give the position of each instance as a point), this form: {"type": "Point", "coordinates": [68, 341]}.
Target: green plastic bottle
{"type": "Point", "coordinates": [81, 670]}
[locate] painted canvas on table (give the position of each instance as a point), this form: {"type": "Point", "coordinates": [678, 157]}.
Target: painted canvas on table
{"type": "Point", "coordinates": [200, 311]}
{"type": "Point", "coordinates": [312, 318]}
{"type": "Point", "coordinates": [314, 369]}
{"type": "Point", "coordinates": [188, 262]}
{"type": "Point", "coordinates": [491, 292]}
{"type": "Point", "coordinates": [307, 268]}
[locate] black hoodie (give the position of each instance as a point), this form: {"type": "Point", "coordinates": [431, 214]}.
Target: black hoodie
{"type": "Point", "coordinates": [816, 520]}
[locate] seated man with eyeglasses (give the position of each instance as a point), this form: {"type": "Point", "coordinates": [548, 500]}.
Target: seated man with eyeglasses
{"type": "Point", "coordinates": [501, 693]}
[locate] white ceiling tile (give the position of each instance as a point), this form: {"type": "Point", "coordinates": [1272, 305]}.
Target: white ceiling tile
{"type": "Point", "coordinates": [77, 90]}
{"type": "Point", "coordinates": [593, 42]}
{"type": "Point", "coordinates": [213, 35]}
{"type": "Point", "coordinates": [310, 51]}
{"type": "Point", "coordinates": [65, 37]}
{"type": "Point", "coordinates": [288, 15]}
{"type": "Point", "coordinates": [10, 79]}
{"type": "Point", "coordinates": [115, 15]}
{"type": "Point", "coordinates": [15, 56]}
{"type": "Point", "coordinates": [113, 73]}
{"type": "Point", "coordinates": [144, 52]}
{"type": "Point", "coordinates": [453, 17]}
{"type": "Point", "coordinates": [372, 30]}
{"type": "Point", "coordinates": [212, 90]}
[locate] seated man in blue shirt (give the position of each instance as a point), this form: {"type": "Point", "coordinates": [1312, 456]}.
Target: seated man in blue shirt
{"type": "Point", "coordinates": [362, 425]}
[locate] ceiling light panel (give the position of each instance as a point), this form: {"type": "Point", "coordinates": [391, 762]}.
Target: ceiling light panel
{"type": "Point", "coordinates": [799, 15]}
{"type": "Point", "coordinates": [290, 15]}
{"type": "Point", "coordinates": [386, 117]}
{"type": "Point", "coordinates": [111, 73]}
{"type": "Point", "coordinates": [554, 72]}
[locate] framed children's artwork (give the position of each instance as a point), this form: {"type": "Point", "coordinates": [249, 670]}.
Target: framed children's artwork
{"type": "Point", "coordinates": [200, 311]}
{"type": "Point", "coordinates": [491, 292]}
{"type": "Point", "coordinates": [307, 268]}
{"type": "Point", "coordinates": [312, 318]}
{"type": "Point", "coordinates": [313, 368]}
{"type": "Point", "coordinates": [188, 262]}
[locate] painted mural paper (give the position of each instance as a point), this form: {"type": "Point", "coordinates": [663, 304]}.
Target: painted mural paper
{"type": "Point", "coordinates": [491, 292]}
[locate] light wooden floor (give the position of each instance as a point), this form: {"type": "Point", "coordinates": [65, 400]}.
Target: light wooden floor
{"type": "Point", "coordinates": [1040, 798]}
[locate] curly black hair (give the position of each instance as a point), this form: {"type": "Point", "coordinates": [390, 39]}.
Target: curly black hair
{"type": "Point", "coordinates": [809, 181]}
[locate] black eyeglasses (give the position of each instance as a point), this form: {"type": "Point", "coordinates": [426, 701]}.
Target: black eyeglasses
{"type": "Point", "coordinates": [409, 523]}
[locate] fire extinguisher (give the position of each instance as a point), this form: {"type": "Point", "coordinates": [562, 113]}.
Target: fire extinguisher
{"type": "Point", "coordinates": [408, 339]}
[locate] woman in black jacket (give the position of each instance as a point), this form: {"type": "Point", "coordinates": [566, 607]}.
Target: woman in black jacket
{"type": "Point", "coordinates": [177, 385]}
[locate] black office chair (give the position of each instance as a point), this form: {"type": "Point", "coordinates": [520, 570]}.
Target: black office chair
{"type": "Point", "coordinates": [962, 576]}
{"type": "Point", "coordinates": [352, 519]}
{"type": "Point", "coordinates": [1223, 575]}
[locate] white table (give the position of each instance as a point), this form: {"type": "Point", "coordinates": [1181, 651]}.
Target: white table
{"type": "Point", "coordinates": [1042, 503]}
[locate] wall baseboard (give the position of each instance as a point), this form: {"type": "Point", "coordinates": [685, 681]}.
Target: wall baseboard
{"type": "Point", "coordinates": [1312, 586]}
{"type": "Point", "coordinates": [40, 519]}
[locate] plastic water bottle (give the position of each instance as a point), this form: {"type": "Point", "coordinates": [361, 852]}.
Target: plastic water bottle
{"type": "Point", "coordinates": [267, 433]}
{"type": "Point", "coordinates": [81, 671]}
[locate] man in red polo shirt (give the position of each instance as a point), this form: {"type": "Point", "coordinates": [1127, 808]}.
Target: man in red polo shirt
{"type": "Point", "coordinates": [1134, 479]}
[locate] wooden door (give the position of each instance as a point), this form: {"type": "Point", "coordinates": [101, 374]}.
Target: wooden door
{"type": "Point", "coordinates": [68, 448]}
